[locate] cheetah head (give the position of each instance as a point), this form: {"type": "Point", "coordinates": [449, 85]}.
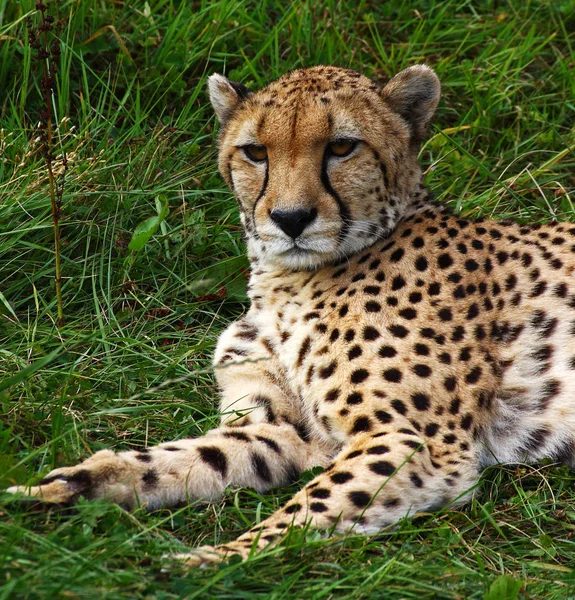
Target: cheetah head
{"type": "Point", "coordinates": [323, 161]}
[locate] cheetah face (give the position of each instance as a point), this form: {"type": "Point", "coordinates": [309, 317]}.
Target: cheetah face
{"type": "Point", "coordinates": [323, 161]}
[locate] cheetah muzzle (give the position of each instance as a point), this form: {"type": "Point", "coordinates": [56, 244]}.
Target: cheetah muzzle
{"type": "Point", "coordinates": [397, 345]}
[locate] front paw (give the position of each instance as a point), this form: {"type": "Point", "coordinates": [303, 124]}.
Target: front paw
{"type": "Point", "coordinates": [61, 486]}
{"type": "Point", "coordinates": [206, 556]}
{"type": "Point", "coordinates": [104, 474]}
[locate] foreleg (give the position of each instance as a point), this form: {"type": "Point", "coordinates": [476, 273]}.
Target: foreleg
{"type": "Point", "coordinates": [376, 480]}
{"type": "Point", "coordinates": [260, 456]}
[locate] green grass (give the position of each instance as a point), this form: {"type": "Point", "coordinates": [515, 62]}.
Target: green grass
{"type": "Point", "coordinates": [130, 366]}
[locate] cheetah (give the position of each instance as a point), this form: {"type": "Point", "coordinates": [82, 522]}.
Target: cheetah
{"type": "Point", "coordinates": [399, 346]}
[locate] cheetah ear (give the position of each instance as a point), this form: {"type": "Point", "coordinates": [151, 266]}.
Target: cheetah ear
{"type": "Point", "coordinates": [414, 94]}
{"type": "Point", "coordinates": [225, 96]}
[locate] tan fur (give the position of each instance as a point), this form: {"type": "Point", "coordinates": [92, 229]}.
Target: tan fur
{"type": "Point", "coordinates": [394, 344]}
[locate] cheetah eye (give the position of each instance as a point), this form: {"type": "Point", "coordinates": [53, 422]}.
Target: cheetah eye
{"type": "Point", "coordinates": [342, 148]}
{"type": "Point", "coordinates": [255, 152]}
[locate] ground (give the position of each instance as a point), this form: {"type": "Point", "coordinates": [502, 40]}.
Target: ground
{"type": "Point", "coordinates": [130, 365]}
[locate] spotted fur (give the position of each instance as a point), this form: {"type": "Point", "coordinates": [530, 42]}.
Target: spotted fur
{"type": "Point", "coordinates": [397, 345]}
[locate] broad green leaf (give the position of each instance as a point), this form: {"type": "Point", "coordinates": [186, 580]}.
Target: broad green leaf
{"type": "Point", "coordinates": [146, 229]}
{"type": "Point", "coordinates": [504, 588]}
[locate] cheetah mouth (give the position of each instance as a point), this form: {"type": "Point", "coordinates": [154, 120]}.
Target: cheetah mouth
{"type": "Point", "coordinates": [298, 249]}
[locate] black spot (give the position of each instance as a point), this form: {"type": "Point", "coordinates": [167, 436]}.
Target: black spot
{"type": "Point", "coordinates": [292, 508]}
{"type": "Point", "coordinates": [303, 351]}
{"type": "Point", "coordinates": [399, 406]}
{"type": "Point", "coordinates": [472, 312]}
{"type": "Point", "coordinates": [444, 261]}
{"type": "Point", "coordinates": [238, 435]}
{"type": "Point", "coordinates": [551, 388]}
{"type": "Point", "coordinates": [421, 263]}
{"type": "Point", "coordinates": [359, 499]}
{"type": "Point", "coordinates": [398, 331]}
{"type": "Point", "coordinates": [383, 417]}
{"type": "Point", "coordinates": [370, 333]}
{"type": "Point", "coordinates": [434, 289]}
{"type": "Point", "coordinates": [359, 376]}
{"type": "Point", "coordinates": [445, 314]}
{"type": "Point", "coordinates": [341, 477]}
{"type": "Point", "coordinates": [215, 458]}
{"type": "Point", "coordinates": [361, 424]}
{"type": "Point", "coordinates": [454, 406]}
{"type": "Point", "coordinates": [382, 467]}
{"type": "Point", "coordinates": [431, 429]}
{"type": "Point", "coordinates": [413, 444]}
{"type": "Point", "coordinates": [397, 283]}
{"type": "Point", "coordinates": [332, 395]}
{"type": "Point", "coordinates": [392, 375]}
{"type": "Point", "coordinates": [143, 457]}
{"type": "Point", "coordinates": [261, 467]}
{"type": "Point", "coordinates": [354, 454]}
{"type": "Point", "coordinates": [354, 352]}
{"type": "Point", "coordinates": [396, 255]}
{"type": "Point", "coordinates": [381, 449]}
{"type": "Point", "coordinates": [269, 443]}
{"type": "Point", "coordinates": [422, 349]}
{"type": "Point", "coordinates": [171, 448]}
{"type": "Point", "coordinates": [473, 375]}
{"type": "Point", "coordinates": [536, 439]}
{"type": "Point", "coordinates": [420, 401]}
{"type": "Point", "coordinates": [416, 480]}
{"type": "Point", "coordinates": [422, 370]}
{"type": "Point", "coordinates": [355, 398]}
{"type": "Point", "coordinates": [458, 334]}
{"type": "Point", "coordinates": [328, 371]}
{"type": "Point", "coordinates": [372, 290]}
{"type": "Point", "coordinates": [318, 507]}
{"type": "Point", "coordinates": [445, 358]}
{"type": "Point", "coordinates": [372, 306]}
{"type": "Point", "coordinates": [408, 313]}
{"type": "Point", "coordinates": [150, 479]}
{"type": "Point", "coordinates": [302, 431]}
{"type": "Point", "coordinates": [320, 493]}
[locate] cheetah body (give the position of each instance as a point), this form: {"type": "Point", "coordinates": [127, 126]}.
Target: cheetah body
{"type": "Point", "coordinates": [398, 346]}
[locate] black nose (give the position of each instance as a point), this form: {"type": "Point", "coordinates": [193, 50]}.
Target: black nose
{"type": "Point", "coordinates": [293, 222]}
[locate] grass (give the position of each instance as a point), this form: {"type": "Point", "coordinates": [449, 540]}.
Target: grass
{"type": "Point", "coordinates": [130, 366]}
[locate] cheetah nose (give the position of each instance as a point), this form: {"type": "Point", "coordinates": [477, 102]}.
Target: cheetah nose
{"type": "Point", "coordinates": [293, 222]}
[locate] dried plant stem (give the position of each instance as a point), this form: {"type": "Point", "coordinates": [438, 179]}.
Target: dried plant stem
{"type": "Point", "coordinates": [49, 55]}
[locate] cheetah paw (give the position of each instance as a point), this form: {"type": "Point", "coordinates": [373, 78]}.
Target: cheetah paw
{"type": "Point", "coordinates": [205, 556]}
{"type": "Point", "coordinates": [60, 486]}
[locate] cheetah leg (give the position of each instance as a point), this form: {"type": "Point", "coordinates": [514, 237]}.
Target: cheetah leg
{"type": "Point", "coordinates": [375, 481]}
{"type": "Point", "coordinates": [259, 456]}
